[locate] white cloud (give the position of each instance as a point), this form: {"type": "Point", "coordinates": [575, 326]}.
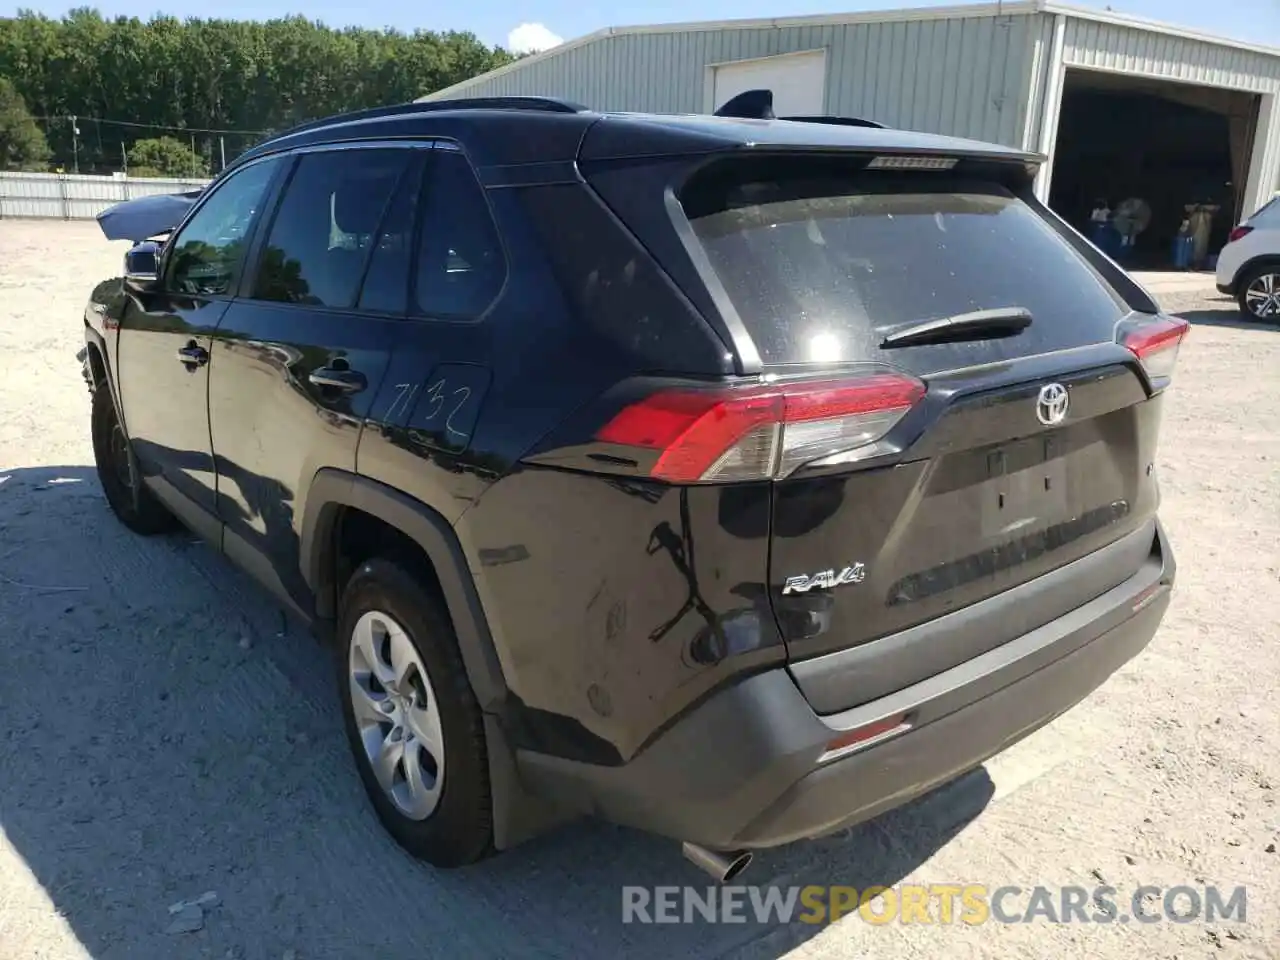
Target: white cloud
{"type": "Point", "coordinates": [532, 37]}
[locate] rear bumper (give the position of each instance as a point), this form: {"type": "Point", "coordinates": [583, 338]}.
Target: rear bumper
{"type": "Point", "coordinates": [744, 769]}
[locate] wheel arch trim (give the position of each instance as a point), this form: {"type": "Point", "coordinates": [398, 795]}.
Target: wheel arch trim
{"type": "Point", "coordinates": [518, 814]}
{"type": "Point", "coordinates": [1252, 264]}
{"type": "Point", "coordinates": [333, 489]}
{"type": "Point", "coordinates": [95, 351]}
{"type": "Point", "coordinates": [97, 343]}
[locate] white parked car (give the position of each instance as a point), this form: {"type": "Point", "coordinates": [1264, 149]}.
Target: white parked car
{"type": "Point", "coordinates": [1249, 265]}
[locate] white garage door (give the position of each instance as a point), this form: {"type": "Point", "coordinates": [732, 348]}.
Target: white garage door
{"type": "Point", "coordinates": [798, 82]}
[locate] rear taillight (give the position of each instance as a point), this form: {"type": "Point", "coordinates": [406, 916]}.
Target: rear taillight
{"type": "Point", "coordinates": [1155, 343]}
{"type": "Point", "coordinates": [1239, 233]}
{"type": "Point", "coordinates": [762, 432]}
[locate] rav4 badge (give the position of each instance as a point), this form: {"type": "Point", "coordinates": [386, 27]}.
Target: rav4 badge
{"type": "Point", "coordinates": [826, 579]}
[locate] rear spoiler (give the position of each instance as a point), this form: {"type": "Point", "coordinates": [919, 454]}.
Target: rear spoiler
{"type": "Point", "coordinates": [758, 105]}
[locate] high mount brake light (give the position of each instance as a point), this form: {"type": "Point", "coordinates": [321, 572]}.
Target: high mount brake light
{"type": "Point", "coordinates": [762, 432]}
{"type": "Point", "coordinates": [1155, 343]}
{"type": "Point", "coordinates": [911, 163]}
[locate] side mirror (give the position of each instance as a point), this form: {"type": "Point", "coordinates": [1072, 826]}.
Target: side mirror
{"type": "Point", "coordinates": [142, 265]}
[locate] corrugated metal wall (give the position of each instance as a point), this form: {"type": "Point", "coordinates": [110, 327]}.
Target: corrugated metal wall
{"type": "Point", "coordinates": [1110, 46]}
{"type": "Point", "coordinates": [966, 76]}
{"type": "Point", "coordinates": [77, 197]}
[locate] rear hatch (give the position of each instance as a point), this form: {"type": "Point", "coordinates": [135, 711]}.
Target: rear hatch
{"type": "Point", "coordinates": [962, 405]}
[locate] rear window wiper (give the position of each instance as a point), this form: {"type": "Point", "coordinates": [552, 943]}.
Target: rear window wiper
{"type": "Point", "coordinates": [976, 325]}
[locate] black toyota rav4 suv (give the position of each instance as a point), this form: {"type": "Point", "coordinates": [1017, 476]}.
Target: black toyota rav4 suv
{"type": "Point", "coordinates": [732, 479]}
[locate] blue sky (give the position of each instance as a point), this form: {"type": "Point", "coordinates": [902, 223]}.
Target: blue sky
{"type": "Point", "coordinates": [543, 20]}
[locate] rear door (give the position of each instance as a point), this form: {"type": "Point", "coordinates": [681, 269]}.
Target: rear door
{"type": "Point", "coordinates": [918, 475]}
{"type": "Point", "coordinates": [421, 423]}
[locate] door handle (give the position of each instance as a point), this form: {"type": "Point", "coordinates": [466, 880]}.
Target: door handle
{"type": "Point", "coordinates": [332, 378]}
{"type": "Point", "coordinates": [192, 354]}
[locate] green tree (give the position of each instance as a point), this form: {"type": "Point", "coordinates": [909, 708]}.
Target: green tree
{"type": "Point", "coordinates": [22, 143]}
{"type": "Point", "coordinates": [220, 75]}
{"type": "Point", "coordinates": [168, 156]}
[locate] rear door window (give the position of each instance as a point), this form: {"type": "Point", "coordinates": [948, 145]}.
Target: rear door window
{"type": "Point", "coordinates": [325, 228]}
{"type": "Point", "coordinates": [461, 266]}
{"type": "Point", "coordinates": [386, 282]}
{"type": "Point", "coordinates": [820, 269]}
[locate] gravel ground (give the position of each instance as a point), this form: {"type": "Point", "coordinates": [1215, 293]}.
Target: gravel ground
{"type": "Point", "coordinates": [164, 732]}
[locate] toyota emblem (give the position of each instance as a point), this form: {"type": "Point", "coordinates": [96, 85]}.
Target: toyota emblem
{"type": "Point", "coordinates": [1052, 404]}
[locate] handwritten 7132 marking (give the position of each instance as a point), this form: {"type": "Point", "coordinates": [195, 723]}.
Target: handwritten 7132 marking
{"type": "Point", "coordinates": [437, 394]}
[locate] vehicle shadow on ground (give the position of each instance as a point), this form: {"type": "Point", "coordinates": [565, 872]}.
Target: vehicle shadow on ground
{"type": "Point", "coordinates": [1228, 316]}
{"type": "Point", "coordinates": [165, 732]}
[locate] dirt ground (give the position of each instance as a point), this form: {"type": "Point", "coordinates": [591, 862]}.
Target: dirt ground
{"type": "Point", "coordinates": [164, 732]}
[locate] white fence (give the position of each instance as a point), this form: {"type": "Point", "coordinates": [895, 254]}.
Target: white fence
{"type": "Point", "coordinates": [65, 196]}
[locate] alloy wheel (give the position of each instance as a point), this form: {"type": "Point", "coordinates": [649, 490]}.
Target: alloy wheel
{"type": "Point", "coordinates": [1262, 296]}
{"type": "Point", "coordinates": [397, 714]}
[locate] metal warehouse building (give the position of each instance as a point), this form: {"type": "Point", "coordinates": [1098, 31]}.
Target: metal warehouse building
{"type": "Point", "coordinates": [1122, 107]}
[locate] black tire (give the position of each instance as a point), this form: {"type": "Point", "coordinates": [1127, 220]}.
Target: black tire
{"type": "Point", "coordinates": [129, 499]}
{"type": "Point", "coordinates": [460, 829]}
{"type": "Point", "coordinates": [1248, 280]}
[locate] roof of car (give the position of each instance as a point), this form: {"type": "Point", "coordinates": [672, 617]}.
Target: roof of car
{"type": "Point", "coordinates": [625, 134]}
{"type": "Point", "coordinates": [518, 130]}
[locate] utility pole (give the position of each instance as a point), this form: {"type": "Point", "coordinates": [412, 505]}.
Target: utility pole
{"type": "Point", "coordinates": [124, 158]}
{"type": "Point", "coordinates": [75, 144]}
{"type": "Point", "coordinates": [193, 155]}
{"type": "Point", "coordinates": [222, 147]}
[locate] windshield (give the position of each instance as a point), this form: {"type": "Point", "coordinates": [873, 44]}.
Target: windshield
{"type": "Point", "coordinates": [820, 269]}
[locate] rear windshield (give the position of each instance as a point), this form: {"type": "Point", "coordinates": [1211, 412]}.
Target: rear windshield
{"type": "Point", "coordinates": [821, 269]}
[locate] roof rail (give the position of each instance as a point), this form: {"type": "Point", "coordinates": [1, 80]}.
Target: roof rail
{"type": "Point", "coordinates": [546, 104]}
{"type": "Point", "coordinates": [838, 121]}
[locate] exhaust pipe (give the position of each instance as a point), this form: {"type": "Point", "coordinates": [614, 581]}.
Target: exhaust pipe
{"type": "Point", "coordinates": [724, 867]}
